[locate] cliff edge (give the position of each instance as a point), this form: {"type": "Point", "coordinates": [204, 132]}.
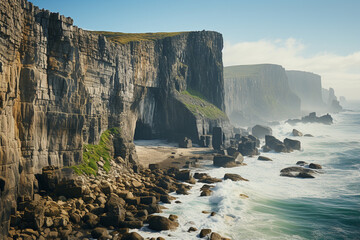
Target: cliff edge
{"type": "Point", "coordinates": [62, 87]}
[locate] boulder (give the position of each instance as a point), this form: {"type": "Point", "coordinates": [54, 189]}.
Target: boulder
{"type": "Point", "coordinates": [260, 131]}
{"type": "Point", "coordinates": [160, 223]}
{"type": "Point", "coordinates": [217, 138]}
{"type": "Point", "coordinates": [296, 133]}
{"type": "Point", "coordinates": [204, 232]}
{"type": "Point", "coordinates": [205, 193]}
{"type": "Point", "coordinates": [301, 163]}
{"type": "Point", "coordinates": [70, 188]}
{"type": "Point", "coordinates": [275, 144]}
{"type": "Point", "coordinates": [299, 172]}
{"type": "Point", "coordinates": [224, 161]}
{"type": "Point", "coordinates": [215, 236]}
{"type": "Point", "coordinates": [34, 213]}
{"type": "Point", "coordinates": [254, 139]}
{"type": "Point", "coordinates": [263, 158]}
{"type": "Point", "coordinates": [185, 143]}
{"type": "Point", "coordinates": [132, 236]}
{"type": "Point", "coordinates": [234, 177]}
{"type": "Point", "coordinates": [183, 175]}
{"type": "Point", "coordinates": [315, 166]}
{"type": "Point", "coordinates": [308, 135]}
{"type": "Point", "coordinates": [247, 147]}
{"type": "Point", "coordinates": [292, 144]}
{"type": "Point", "coordinates": [100, 232]}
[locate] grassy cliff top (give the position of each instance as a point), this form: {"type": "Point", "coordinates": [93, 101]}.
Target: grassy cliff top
{"type": "Point", "coordinates": [199, 106]}
{"type": "Point", "coordinates": [245, 70]}
{"type": "Point", "coordinates": [124, 38]}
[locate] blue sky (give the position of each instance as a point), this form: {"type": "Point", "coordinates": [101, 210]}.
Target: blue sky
{"type": "Point", "coordinates": [305, 30]}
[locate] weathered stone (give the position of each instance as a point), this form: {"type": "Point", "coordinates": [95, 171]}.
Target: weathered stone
{"type": "Point", "coordinates": [215, 236]}
{"type": "Point", "coordinates": [132, 236]}
{"type": "Point", "coordinates": [315, 166]}
{"type": "Point", "coordinates": [204, 232]}
{"type": "Point", "coordinates": [275, 144]}
{"type": "Point", "coordinates": [234, 177]}
{"type": "Point", "coordinates": [100, 233]}
{"type": "Point", "coordinates": [183, 175]}
{"type": "Point", "coordinates": [292, 144]}
{"type": "Point", "coordinates": [148, 200]}
{"type": "Point", "coordinates": [296, 133]}
{"type": "Point", "coordinates": [263, 158]}
{"type": "Point", "coordinates": [185, 143]}
{"type": "Point", "coordinates": [260, 131]}
{"type": "Point", "coordinates": [299, 172]}
{"type": "Point", "coordinates": [224, 161]}
{"type": "Point", "coordinates": [217, 138]}
{"type": "Point", "coordinates": [159, 223]}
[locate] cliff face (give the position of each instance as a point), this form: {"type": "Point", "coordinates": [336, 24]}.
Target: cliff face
{"type": "Point", "coordinates": [258, 93]}
{"type": "Point", "coordinates": [331, 101]}
{"type": "Point", "coordinates": [308, 87]}
{"type": "Point", "coordinates": [61, 87]}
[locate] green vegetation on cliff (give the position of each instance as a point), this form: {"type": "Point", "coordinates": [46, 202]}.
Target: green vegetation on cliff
{"type": "Point", "coordinates": [92, 153]}
{"type": "Point", "coordinates": [124, 38]}
{"type": "Point", "coordinates": [199, 106]}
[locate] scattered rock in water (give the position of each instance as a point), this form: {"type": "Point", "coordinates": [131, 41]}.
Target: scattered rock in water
{"type": "Point", "coordinates": [234, 177]}
{"type": "Point", "coordinates": [312, 118]}
{"type": "Point", "coordinates": [248, 146]}
{"type": "Point", "coordinates": [301, 163]}
{"type": "Point", "coordinates": [204, 232]}
{"type": "Point", "coordinates": [210, 180]}
{"type": "Point", "coordinates": [308, 135]}
{"type": "Point", "coordinates": [224, 161]}
{"type": "Point", "coordinates": [201, 175]}
{"type": "Point", "coordinates": [292, 144]}
{"type": "Point", "coordinates": [159, 223]}
{"type": "Point", "coordinates": [263, 158]}
{"type": "Point", "coordinates": [275, 144]}
{"type": "Point", "coordinates": [296, 133]}
{"type": "Point", "coordinates": [183, 175]}
{"type": "Point", "coordinates": [212, 214]}
{"type": "Point", "coordinates": [192, 229]}
{"type": "Point", "coordinates": [299, 172]}
{"type": "Point", "coordinates": [215, 236]}
{"type": "Point", "coordinates": [206, 193]}
{"type": "Point", "coordinates": [260, 131]}
{"type": "Point", "coordinates": [266, 148]}
{"type": "Point", "coordinates": [315, 166]}
{"type": "Point", "coordinates": [243, 196]}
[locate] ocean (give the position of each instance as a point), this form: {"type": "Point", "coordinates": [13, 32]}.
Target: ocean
{"type": "Point", "coordinates": [326, 207]}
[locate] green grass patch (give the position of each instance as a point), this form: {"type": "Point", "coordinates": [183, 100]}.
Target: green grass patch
{"type": "Point", "coordinates": [199, 106]}
{"type": "Point", "coordinates": [124, 38]}
{"type": "Point", "coordinates": [92, 153]}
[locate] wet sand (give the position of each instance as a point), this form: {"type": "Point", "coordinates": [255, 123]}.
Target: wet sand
{"type": "Point", "coordinates": [168, 154]}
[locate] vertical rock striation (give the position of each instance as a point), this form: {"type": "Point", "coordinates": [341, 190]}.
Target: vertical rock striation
{"type": "Point", "coordinates": [258, 93]}
{"type": "Point", "coordinates": [61, 87]}
{"type": "Point", "coordinates": [308, 87]}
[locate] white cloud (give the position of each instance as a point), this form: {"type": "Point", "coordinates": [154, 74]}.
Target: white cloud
{"type": "Point", "coordinates": [340, 72]}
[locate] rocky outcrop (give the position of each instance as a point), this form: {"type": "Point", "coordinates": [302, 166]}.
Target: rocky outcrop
{"type": "Point", "coordinates": [308, 87]}
{"type": "Point", "coordinates": [331, 101]}
{"type": "Point", "coordinates": [258, 93]}
{"type": "Point", "coordinates": [61, 87]}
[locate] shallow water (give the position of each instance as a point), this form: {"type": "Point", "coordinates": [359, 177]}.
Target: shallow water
{"type": "Point", "coordinates": [327, 207]}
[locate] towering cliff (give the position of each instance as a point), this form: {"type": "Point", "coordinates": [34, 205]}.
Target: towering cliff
{"type": "Point", "coordinates": [258, 93]}
{"type": "Point", "coordinates": [61, 87]}
{"type": "Point", "coordinates": [331, 101]}
{"type": "Point", "coordinates": [308, 87]}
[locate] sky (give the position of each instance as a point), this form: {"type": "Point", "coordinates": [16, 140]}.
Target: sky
{"type": "Point", "coordinates": [321, 36]}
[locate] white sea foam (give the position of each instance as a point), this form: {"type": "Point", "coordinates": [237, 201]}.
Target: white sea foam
{"type": "Point", "coordinates": [261, 216]}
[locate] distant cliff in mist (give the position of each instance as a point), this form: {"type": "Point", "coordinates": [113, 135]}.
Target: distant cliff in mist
{"type": "Point", "coordinates": [308, 87]}
{"type": "Point", "coordinates": [258, 93]}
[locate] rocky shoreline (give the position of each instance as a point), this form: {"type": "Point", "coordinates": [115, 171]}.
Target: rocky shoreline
{"type": "Point", "coordinates": [107, 206]}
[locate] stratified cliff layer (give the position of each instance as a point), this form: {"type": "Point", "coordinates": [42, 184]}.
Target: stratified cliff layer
{"type": "Point", "coordinates": [258, 93]}
{"type": "Point", "coordinates": [61, 87]}
{"type": "Point", "coordinates": [308, 87]}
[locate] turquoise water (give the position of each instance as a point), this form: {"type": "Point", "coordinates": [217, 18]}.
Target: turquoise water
{"type": "Point", "coordinates": [327, 207]}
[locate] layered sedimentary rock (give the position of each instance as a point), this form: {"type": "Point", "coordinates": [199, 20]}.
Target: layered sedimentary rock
{"type": "Point", "coordinates": [308, 87]}
{"type": "Point", "coordinates": [61, 87]}
{"type": "Point", "coordinates": [258, 93]}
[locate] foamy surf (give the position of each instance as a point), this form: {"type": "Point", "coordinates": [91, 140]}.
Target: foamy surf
{"type": "Point", "coordinates": [273, 207]}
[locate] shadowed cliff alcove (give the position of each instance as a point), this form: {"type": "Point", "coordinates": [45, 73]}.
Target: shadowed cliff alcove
{"type": "Point", "coordinates": [142, 131]}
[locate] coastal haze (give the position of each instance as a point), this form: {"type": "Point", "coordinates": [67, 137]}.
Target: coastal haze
{"type": "Point", "coordinates": [158, 120]}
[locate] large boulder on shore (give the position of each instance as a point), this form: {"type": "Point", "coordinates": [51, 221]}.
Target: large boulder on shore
{"type": "Point", "coordinates": [248, 146]}
{"type": "Point", "coordinates": [224, 161]}
{"type": "Point", "coordinates": [185, 143]}
{"type": "Point", "coordinates": [299, 172]}
{"type": "Point", "coordinates": [160, 223]}
{"type": "Point", "coordinates": [217, 138]}
{"type": "Point", "coordinates": [291, 144]}
{"type": "Point", "coordinates": [275, 144]}
{"type": "Point", "coordinates": [261, 131]}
